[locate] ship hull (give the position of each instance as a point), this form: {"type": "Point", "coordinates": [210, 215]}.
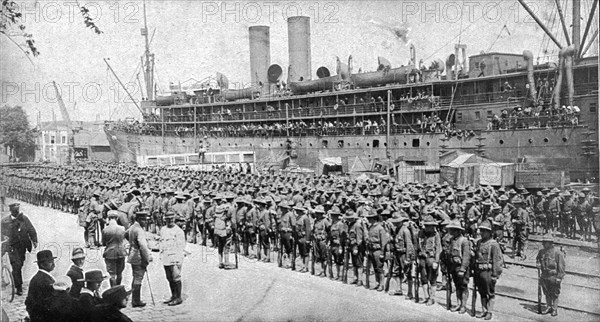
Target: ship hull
{"type": "Point", "coordinates": [557, 148]}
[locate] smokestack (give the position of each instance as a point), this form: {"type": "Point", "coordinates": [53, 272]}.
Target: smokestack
{"type": "Point", "coordinates": [299, 47]}
{"type": "Point", "coordinates": [260, 54]}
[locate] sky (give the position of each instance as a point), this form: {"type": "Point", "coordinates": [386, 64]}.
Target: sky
{"type": "Point", "coordinates": [193, 40]}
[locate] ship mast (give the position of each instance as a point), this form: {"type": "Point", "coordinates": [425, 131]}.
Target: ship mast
{"type": "Point", "coordinates": [149, 71]}
{"type": "Point", "coordinates": [576, 24]}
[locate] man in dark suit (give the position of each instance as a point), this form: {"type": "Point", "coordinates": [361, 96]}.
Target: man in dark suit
{"type": "Point", "coordinates": [40, 288]}
{"type": "Point", "coordinates": [114, 255]}
{"type": "Point", "coordinates": [21, 237]}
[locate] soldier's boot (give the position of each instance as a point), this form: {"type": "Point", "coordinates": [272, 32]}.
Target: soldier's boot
{"type": "Point", "coordinates": [431, 296]}
{"type": "Point", "coordinates": [173, 292]}
{"type": "Point", "coordinates": [323, 270]}
{"type": "Point", "coordinates": [305, 264]}
{"type": "Point", "coordinates": [458, 301]}
{"type": "Point", "coordinates": [379, 279]}
{"type": "Point", "coordinates": [355, 271]}
{"type": "Point", "coordinates": [177, 299]}
{"type": "Point", "coordinates": [465, 300]}
{"type": "Point", "coordinates": [490, 308]}
{"type": "Point", "coordinates": [548, 306]}
{"type": "Point", "coordinates": [136, 294]}
{"type": "Point", "coordinates": [484, 309]}
{"type": "Point", "coordinates": [409, 294]}
{"type": "Point", "coordinates": [555, 307]}
{"type": "Point", "coordinates": [398, 291]}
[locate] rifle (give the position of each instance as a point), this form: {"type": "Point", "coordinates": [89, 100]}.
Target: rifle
{"type": "Point", "coordinates": [416, 278]}
{"type": "Point", "coordinates": [204, 229]}
{"type": "Point", "coordinates": [293, 261]}
{"type": "Point", "coordinates": [312, 262]}
{"type": "Point", "coordinates": [474, 298]}
{"type": "Point", "coordinates": [367, 272]}
{"type": "Point", "coordinates": [390, 271]}
{"type": "Point", "coordinates": [448, 287]}
{"type": "Point", "coordinates": [346, 264]}
{"type": "Point", "coordinates": [236, 245]}
{"type": "Point", "coordinates": [539, 298]}
{"type": "Point", "coordinates": [330, 260]}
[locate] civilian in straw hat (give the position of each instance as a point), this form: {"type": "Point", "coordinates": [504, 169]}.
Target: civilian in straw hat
{"type": "Point", "coordinates": [115, 299]}
{"type": "Point", "coordinates": [488, 267]}
{"type": "Point", "coordinates": [62, 306]}
{"type": "Point", "coordinates": [76, 271]}
{"type": "Point", "coordinates": [551, 262]}
{"type": "Point", "coordinates": [40, 287]}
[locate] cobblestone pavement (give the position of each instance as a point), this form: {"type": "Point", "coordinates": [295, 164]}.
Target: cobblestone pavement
{"type": "Point", "coordinates": [254, 292]}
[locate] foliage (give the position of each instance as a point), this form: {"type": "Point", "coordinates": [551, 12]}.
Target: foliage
{"type": "Point", "coordinates": [15, 132]}
{"type": "Point", "coordinates": [11, 25]}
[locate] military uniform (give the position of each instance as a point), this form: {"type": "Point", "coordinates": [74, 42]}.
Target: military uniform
{"type": "Point", "coordinates": [429, 250]}
{"type": "Point", "coordinates": [551, 262]}
{"type": "Point", "coordinates": [521, 225]}
{"type": "Point", "coordinates": [139, 257]}
{"type": "Point", "coordinates": [488, 267]}
{"type": "Point", "coordinates": [460, 259]}
{"type": "Point", "coordinates": [376, 241]}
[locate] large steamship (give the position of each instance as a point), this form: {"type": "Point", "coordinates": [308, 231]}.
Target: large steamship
{"type": "Point", "coordinates": [410, 113]}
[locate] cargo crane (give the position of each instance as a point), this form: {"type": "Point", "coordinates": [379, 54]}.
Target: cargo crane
{"type": "Point", "coordinates": [67, 119]}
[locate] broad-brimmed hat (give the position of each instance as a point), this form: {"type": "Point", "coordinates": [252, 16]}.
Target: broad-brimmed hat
{"type": "Point", "coordinates": [299, 208]}
{"type": "Point", "coordinates": [143, 214]}
{"type": "Point", "coordinates": [62, 283]}
{"type": "Point", "coordinates": [486, 225]}
{"type": "Point", "coordinates": [115, 294]}
{"type": "Point", "coordinates": [455, 225]}
{"type": "Point", "coordinates": [94, 275]}
{"type": "Point", "coordinates": [548, 238]}
{"type": "Point", "coordinates": [169, 215]}
{"type": "Point", "coordinates": [319, 209]}
{"type": "Point", "coordinates": [350, 214]}
{"type": "Point", "coordinates": [14, 205]}
{"type": "Point", "coordinates": [77, 253]}
{"type": "Point", "coordinates": [44, 256]}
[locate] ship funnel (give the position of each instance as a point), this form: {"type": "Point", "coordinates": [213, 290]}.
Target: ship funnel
{"type": "Point", "coordinates": [323, 72]}
{"type": "Point", "coordinates": [383, 63]}
{"type": "Point", "coordinates": [274, 73]}
{"type": "Point", "coordinates": [449, 63]}
{"type": "Point", "coordinates": [260, 54]}
{"type": "Point", "coordinates": [528, 56]}
{"type": "Point", "coordinates": [299, 48]}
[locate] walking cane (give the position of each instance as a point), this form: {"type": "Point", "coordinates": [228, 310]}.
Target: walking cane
{"type": "Point", "coordinates": [150, 287]}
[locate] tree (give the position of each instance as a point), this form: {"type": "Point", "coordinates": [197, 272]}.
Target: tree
{"type": "Point", "coordinates": [15, 132]}
{"type": "Point", "coordinates": [11, 24]}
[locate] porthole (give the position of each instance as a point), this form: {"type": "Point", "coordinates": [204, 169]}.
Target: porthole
{"type": "Point", "coordinates": [501, 141]}
{"type": "Point", "coordinates": [546, 140]}
{"type": "Point", "coordinates": [385, 144]}
{"type": "Point", "coordinates": [348, 143]}
{"type": "Point", "coordinates": [357, 144]}
{"type": "Point", "coordinates": [269, 144]}
{"type": "Point", "coordinates": [250, 144]}
{"type": "Point", "coordinates": [367, 144]}
{"type": "Point", "coordinates": [531, 141]}
{"type": "Point", "coordinates": [564, 140]}
{"type": "Point", "coordinates": [405, 144]}
{"type": "Point", "coordinates": [281, 144]}
{"type": "Point", "coordinates": [428, 143]}
{"type": "Point", "coordinates": [310, 144]}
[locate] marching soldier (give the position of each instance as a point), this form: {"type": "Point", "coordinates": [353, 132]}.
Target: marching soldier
{"type": "Point", "coordinates": [460, 258]}
{"type": "Point", "coordinates": [321, 228]}
{"type": "Point", "coordinates": [520, 222]}
{"type": "Point", "coordinates": [488, 267]}
{"type": "Point", "coordinates": [377, 240]}
{"type": "Point", "coordinates": [551, 262]}
{"type": "Point", "coordinates": [303, 235]}
{"type": "Point", "coordinates": [429, 250]}
{"type": "Point", "coordinates": [337, 242]}
{"type": "Point", "coordinates": [287, 223]}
